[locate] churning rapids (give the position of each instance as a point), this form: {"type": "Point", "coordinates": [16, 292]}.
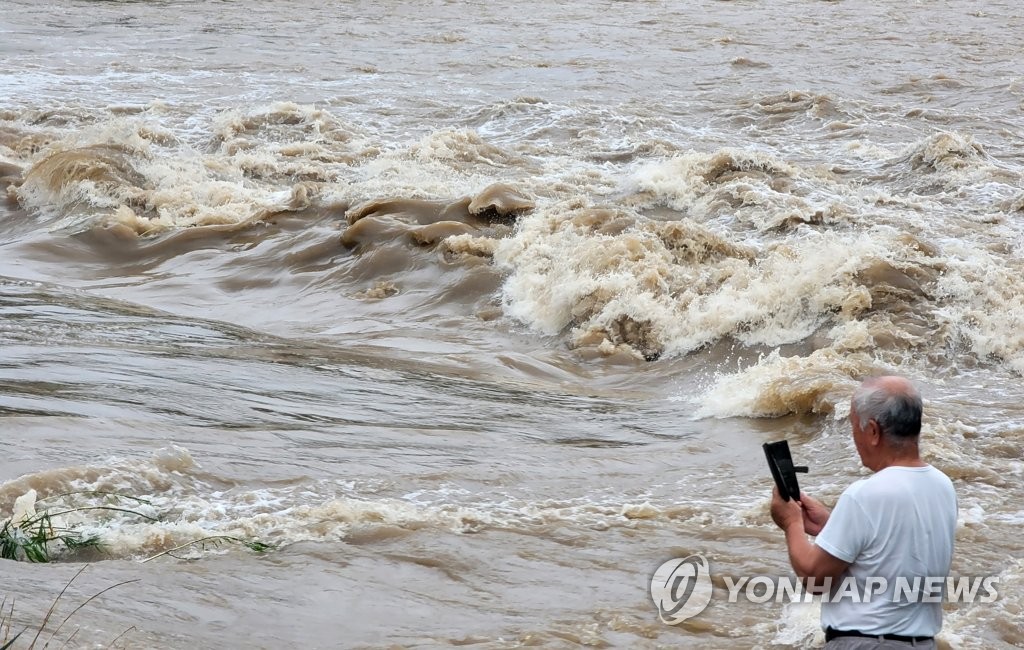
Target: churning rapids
{"type": "Point", "coordinates": [478, 312]}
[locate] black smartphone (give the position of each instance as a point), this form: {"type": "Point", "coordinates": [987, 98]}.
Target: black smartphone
{"type": "Point", "coordinates": [780, 462]}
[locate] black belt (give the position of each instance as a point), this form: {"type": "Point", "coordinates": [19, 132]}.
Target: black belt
{"type": "Point", "coordinates": [832, 633]}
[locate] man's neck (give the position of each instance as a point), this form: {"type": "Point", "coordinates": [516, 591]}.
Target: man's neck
{"type": "Point", "coordinates": [909, 458]}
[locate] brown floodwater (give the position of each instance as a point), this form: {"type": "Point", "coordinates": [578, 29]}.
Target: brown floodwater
{"type": "Point", "coordinates": [479, 312]}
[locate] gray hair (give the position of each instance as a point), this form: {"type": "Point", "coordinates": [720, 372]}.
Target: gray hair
{"type": "Point", "coordinates": [896, 409]}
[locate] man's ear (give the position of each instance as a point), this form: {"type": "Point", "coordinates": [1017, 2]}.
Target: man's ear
{"type": "Point", "coordinates": [874, 433]}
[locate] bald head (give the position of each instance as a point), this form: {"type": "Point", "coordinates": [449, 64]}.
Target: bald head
{"type": "Point", "coordinates": [894, 403]}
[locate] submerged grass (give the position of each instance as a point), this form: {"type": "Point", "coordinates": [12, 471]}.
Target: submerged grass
{"type": "Point", "coordinates": [33, 539]}
{"type": "Point", "coordinates": [39, 536]}
{"type": "Point", "coordinates": [215, 541]}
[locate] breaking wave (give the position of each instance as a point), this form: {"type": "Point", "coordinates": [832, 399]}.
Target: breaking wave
{"type": "Point", "coordinates": [822, 270]}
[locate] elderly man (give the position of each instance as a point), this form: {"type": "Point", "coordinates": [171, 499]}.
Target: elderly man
{"type": "Point", "coordinates": [885, 531]}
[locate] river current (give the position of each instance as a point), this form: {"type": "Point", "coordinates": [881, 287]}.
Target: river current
{"type": "Point", "coordinates": [479, 312]}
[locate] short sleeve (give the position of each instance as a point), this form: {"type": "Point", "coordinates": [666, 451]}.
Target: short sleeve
{"type": "Point", "coordinates": [847, 531]}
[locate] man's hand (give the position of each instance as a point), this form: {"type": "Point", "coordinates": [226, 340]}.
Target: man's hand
{"type": "Point", "coordinates": [785, 513]}
{"type": "Point", "coordinates": [798, 519]}
{"type": "Point", "coordinates": [814, 514]}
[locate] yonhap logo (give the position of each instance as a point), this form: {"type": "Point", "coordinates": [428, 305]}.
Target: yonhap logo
{"type": "Point", "coordinates": [681, 588]}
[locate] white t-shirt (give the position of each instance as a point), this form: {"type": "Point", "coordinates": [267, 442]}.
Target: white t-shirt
{"type": "Point", "coordinates": [897, 525]}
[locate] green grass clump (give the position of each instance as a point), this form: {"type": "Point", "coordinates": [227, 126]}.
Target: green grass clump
{"type": "Point", "coordinates": [40, 537]}
{"type": "Point", "coordinates": [33, 539]}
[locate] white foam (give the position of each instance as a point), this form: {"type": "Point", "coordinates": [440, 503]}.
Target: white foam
{"type": "Point", "coordinates": [163, 502]}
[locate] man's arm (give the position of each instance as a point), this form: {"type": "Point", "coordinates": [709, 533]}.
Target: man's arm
{"type": "Point", "coordinates": [808, 560]}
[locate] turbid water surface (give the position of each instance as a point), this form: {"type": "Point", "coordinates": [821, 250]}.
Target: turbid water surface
{"type": "Point", "coordinates": [481, 311]}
